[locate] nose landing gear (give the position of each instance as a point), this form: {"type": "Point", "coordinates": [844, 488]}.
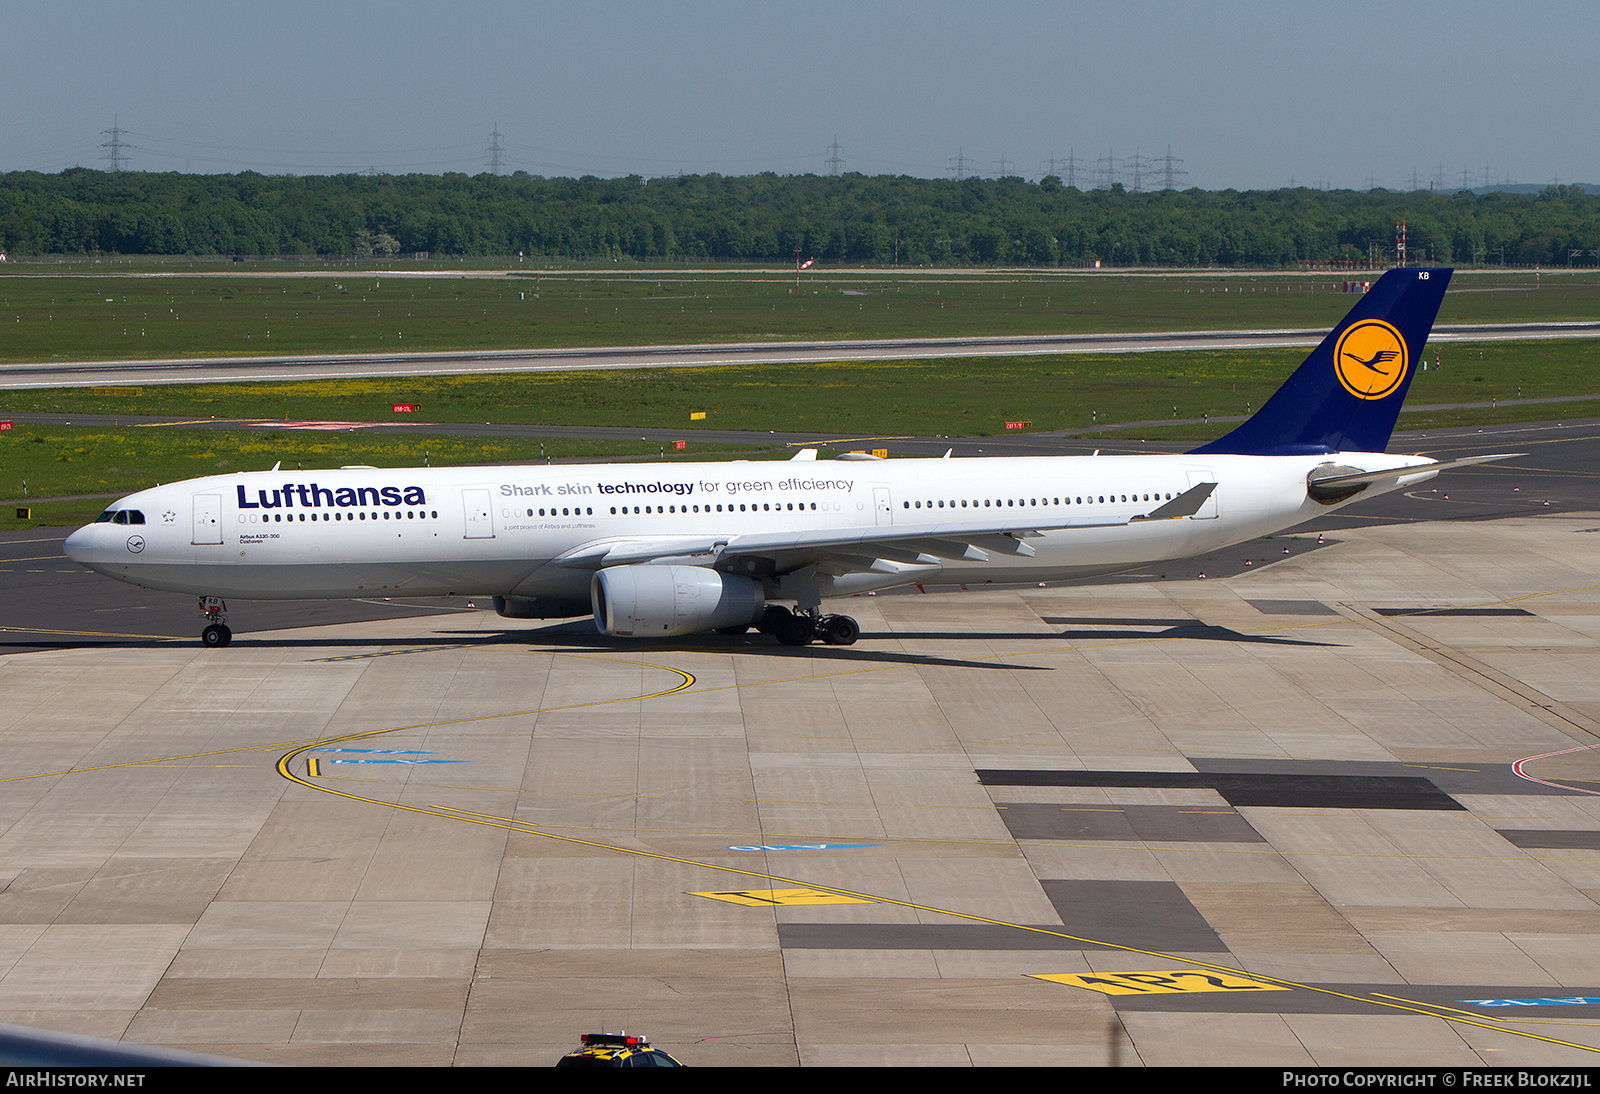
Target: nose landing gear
{"type": "Point", "coordinates": [216, 634]}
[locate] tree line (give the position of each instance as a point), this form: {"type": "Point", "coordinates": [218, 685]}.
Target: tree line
{"type": "Point", "coordinates": [769, 218]}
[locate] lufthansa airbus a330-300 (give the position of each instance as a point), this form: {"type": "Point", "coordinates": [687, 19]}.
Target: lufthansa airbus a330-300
{"type": "Point", "coordinates": [674, 549]}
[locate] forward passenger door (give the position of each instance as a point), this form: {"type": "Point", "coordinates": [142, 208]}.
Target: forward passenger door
{"type": "Point", "coordinates": [479, 513]}
{"type": "Point", "coordinates": [207, 519]}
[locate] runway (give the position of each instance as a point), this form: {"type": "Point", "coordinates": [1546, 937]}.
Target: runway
{"type": "Point", "coordinates": [333, 366]}
{"type": "Point", "coordinates": [1067, 825]}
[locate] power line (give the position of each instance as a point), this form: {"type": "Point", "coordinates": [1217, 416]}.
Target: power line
{"type": "Point", "coordinates": [959, 162]}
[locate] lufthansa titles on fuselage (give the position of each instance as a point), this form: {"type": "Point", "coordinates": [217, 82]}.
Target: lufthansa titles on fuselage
{"type": "Point", "coordinates": [312, 496]}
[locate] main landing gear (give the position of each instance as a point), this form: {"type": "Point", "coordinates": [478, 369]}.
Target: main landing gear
{"type": "Point", "coordinates": [216, 635]}
{"type": "Point", "coordinates": [801, 628]}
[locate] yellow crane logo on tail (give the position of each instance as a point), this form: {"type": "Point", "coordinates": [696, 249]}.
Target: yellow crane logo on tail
{"type": "Point", "coordinates": [1370, 358]}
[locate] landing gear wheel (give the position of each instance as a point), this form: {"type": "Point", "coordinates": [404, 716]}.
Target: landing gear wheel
{"type": "Point", "coordinates": [773, 618]}
{"type": "Point", "coordinates": [840, 630]}
{"type": "Point", "coordinates": [216, 636]}
{"type": "Point", "coordinates": [797, 630]}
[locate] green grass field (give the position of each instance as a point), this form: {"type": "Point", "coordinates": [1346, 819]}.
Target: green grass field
{"type": "Point", "coordinates": [949, 397]}
{"type": "Point", "coordinates": [53, 318]}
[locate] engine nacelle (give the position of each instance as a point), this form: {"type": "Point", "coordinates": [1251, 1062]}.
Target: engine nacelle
{"type": "Point", "coordinates": [665, 601]}
{"type": "Point", "coordinates": [537, 607]}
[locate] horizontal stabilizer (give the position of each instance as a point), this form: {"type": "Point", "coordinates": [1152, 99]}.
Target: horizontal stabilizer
{"type": "Point", "coordinates": [1396, 473]}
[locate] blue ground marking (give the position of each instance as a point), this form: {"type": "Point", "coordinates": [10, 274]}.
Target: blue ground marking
{"type": "Point", "coordinates": [412, 763]}
{"type": "Point", "coordinates": [1569, 1001]}
{"type": "Point", "coordinates": [800, 846]}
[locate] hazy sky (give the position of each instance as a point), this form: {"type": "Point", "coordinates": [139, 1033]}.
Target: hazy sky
{"type": "Point", "coordinates": [1248, 93]}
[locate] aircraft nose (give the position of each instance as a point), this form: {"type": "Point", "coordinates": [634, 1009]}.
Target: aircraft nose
{"type": "Point", "coordinates": [77, 544]}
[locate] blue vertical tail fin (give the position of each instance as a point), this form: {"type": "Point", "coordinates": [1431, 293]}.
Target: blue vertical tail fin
{"type": "Point", "coordinates": [1346, 396]}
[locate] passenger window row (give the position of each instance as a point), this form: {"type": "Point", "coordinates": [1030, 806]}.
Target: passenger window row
{"type": "Point", "coordinates": [1009, 503]}
{"type": "Point", "coordinates": [279, 518]}
{"type": "Point", "coordinates": [765, 507]}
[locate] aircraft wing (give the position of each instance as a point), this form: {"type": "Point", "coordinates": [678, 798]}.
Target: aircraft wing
{"type": "Point", "coordinates": [923, 543]}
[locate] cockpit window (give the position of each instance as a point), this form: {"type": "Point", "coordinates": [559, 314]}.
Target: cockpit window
{"type": "Point", "coordinates": [107, 517]}
{"type": "Point", "coordinates": [135, 516]}
{"type": "Point", "coordinates": [120, 516]}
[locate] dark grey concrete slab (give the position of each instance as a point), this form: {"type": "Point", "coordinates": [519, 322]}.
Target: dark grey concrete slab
{"type": "Point", "coordinates": [920, 936]}
{"type": "Point", "coordinates": [1149, 915]}
{"type": "Point", "coordinates": [1581, 840]}
{"type": "Point", "coordinates": [1337, 791]}
{"type": "Point", "coordinates": [1291, 607]}
{"type": "Point", "coordinates": [1150, 823]}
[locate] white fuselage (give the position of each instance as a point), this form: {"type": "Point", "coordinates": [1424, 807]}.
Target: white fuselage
{"type": "Point", "coordinates": [499, 530]}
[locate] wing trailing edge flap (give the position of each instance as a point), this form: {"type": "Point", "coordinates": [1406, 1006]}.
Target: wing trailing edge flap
{"type": "Point", "coordinates": [838, 565]}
